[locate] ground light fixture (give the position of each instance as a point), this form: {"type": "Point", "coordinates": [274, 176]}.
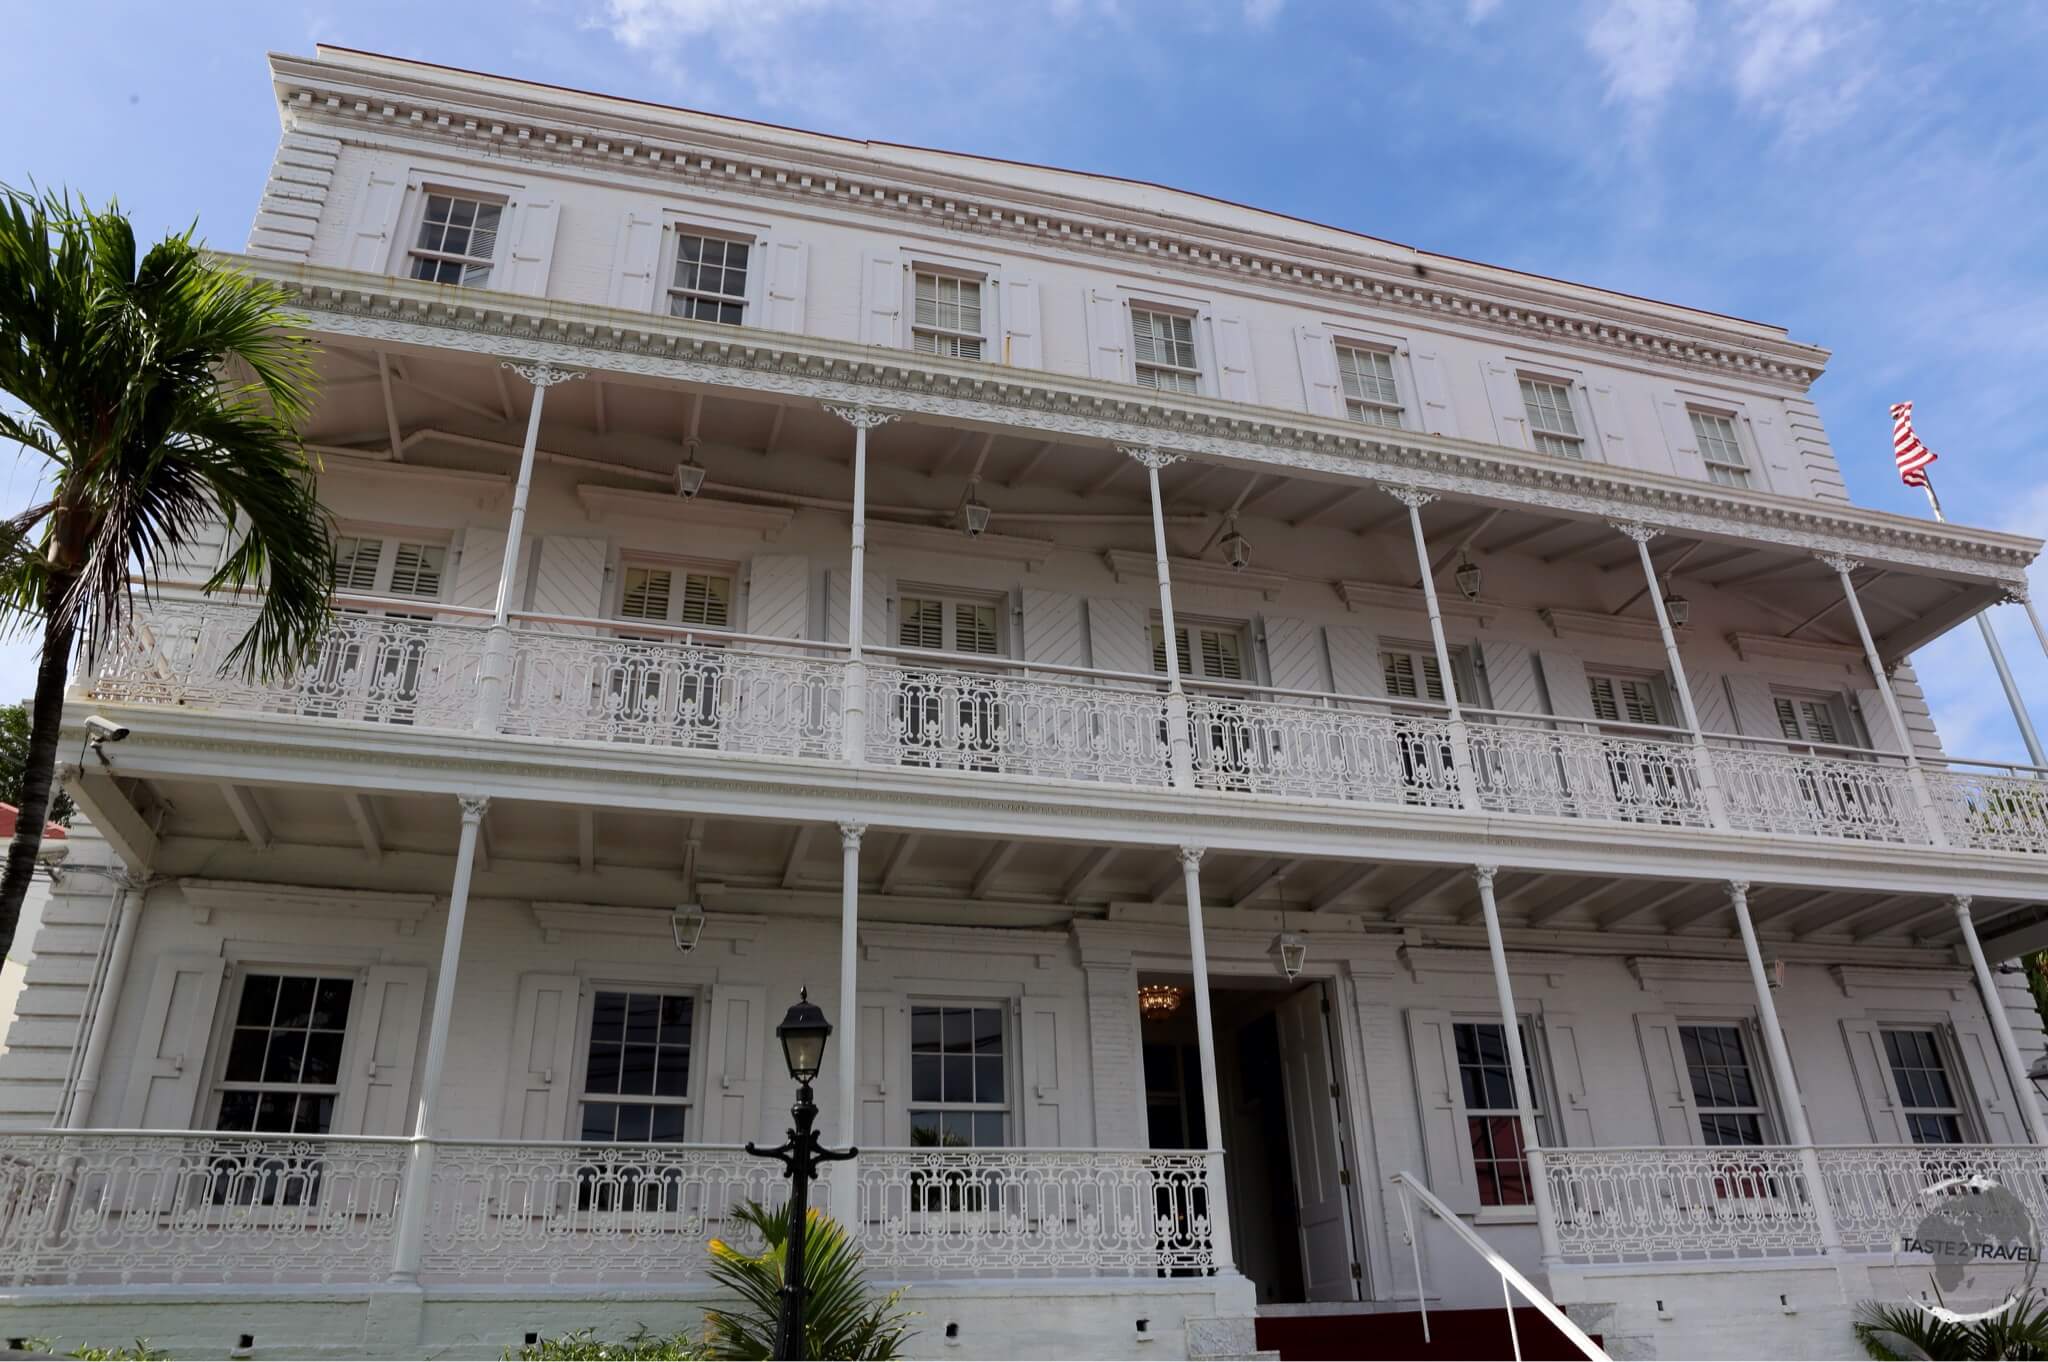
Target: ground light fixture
{"type": "Point", "coordinates": [803, 1033]}
{"type": "Point", "coordinates": [1467, 578]}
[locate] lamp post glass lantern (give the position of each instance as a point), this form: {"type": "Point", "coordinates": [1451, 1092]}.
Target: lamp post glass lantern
{"type": "Point", "coordinates": [803, 1033]}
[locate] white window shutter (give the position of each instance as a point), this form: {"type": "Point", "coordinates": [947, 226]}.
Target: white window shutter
{"type": "Point", "coordinates": [1679, 438]}
{"type": "Point", "coordinates": [778, 595]}
{"type": "Point", "coordinates": [1511, 676]}
{"type": "Point", "coordinates": [1913, 708]}
{"type": "Point", "coordinates": [542, 1076]}
{"type": "Point", "coordinates": [1023, 336]}
{"type": "Point", "coordinates": [1510, 417]}
{"type": "Point", "coordinates": [1573, 1108]}
{"type": "Point", "coordinates": [1052, 628]}
{"type": "Point", "coordinates": [1887, 1123]}
{"type": "Point", "coordinates": [1984, 1079]}
{"type": "Point", "coordinates": [1710, 701]}
{"type": "Point", "coordinates": [735, 1045]}
{"type": "Point", "coordinates": [533, 246]}
{"type": "Point", "coordinates": [1440, 1100]}
{"type": "Point", "coordinates": [789, 271]}
{"type": "Point", "coordinates": [1295, 658]}
{"type": "Point", "coordinates": [1106, 337]}
{"type": "Point", "coordinates": [1117, 636]}
{"type": "Point", "coordinates": [1234, 381]}
{"type": "Point", "coordinates": [374, 222]}
{"type": "Point", "coordinates": [1319, 391]}
{"type": "Point", "coordinates": [1750, 703]}
{"type": "Point", "coordinates": [1610, 425]}
{"type": "Point", "coordinates": [1355, 661]}
{"type": "Point", "coordinates": [1439, 417]}
{"type": "Point", "coordinates": [170, 1055]}
{"type": "Point", "coordinates": [635, 258]}
{"type": "Point", "coordinates": [1877, 721]}
{"type": "Point", "coordinates": [874, 608]}
{"type": "Point", "coordinates": [195, 559]}
{"type": "Point", "coordinates": [376, 1096]}
{"type": "Point", "coordinates": [480, 566]}
{"type": "Point", "coordinates": [1564, 678]}
{"type": "Point", "coordinates": [1678, 1120]}
{"type": "Point", "coordinates": [881, 299]}
{"type": "Point", "coordinates": [882, 1083]}
{"type": "Point", "coordinates": [1052, 1091]}
{"type": "Point", "coordinates": [570, 581]}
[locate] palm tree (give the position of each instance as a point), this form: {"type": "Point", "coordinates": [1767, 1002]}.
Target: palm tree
{"type": "Point", "coordinates": [165, 395]}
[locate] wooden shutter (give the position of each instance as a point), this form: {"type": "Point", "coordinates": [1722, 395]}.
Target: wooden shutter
{"type": "Point", "coordinates": [635, 260]}
{"type": "Point", "coordinates": [1295, 659]}
{"type": "Point", "coordinates": [1873, 1071]}
{"type": "Point", "coordinates": [1439, 417]}
{"type": "Point", "coordinates": [1053, 631]}
{"type": "Point", "coordinates": [1680, 438]}
{"type": "Point", "coordinates": [1564, 680]}
{"type": "Point", "coordinates": [789, 270]}
{"type": "Point", "coordinates": [735, 1041]}
{"type": "Point", "coordinates": [1106, 338]}
{"type": "Point", "coordinates": [1440, 1102]}
{"type": "Point", "coordinates": [1319, 391]}
{"type": "Point", "coordinates": [1710, 701]}
{"type": "Point", "coordinates": [881, 299]}
{"type": "Point", "coordinates": [1678, 1120]}
{"type": "Point", "coordinates": [1750, 702]}
{"type": "Point", "coordinates": [1511, 676]}
{"type": "Point", "coordinates": [533, 246]}
{"type": "Point", "coordinates": [1983, 1077]}
{"type": "Point", "coordinates": [1913, 708]}
{"type": "Point", "coordinates": [1354, 660]}
{"type": "Point", "coordinates": [374, 221]}
{"type": "Point", "coordinates": [542, 1076]}
{"type": "Point", "coordinates": [481, 563]}
{"type": "Point", "coordinates": [570, 581]}
{"type": "Point", "coordinates": [778, 595]}
{"type": "Point", "coordinates": [1610, 426]}
{"type": "Point", "coordinates": [1117, 636]}
{"type": "Point", "coordinates": [1051, 1088]}
{"type": "Point", "coordinates": [1023, 344]}
{"type": "Point", "coordinates": [1510, 417]}
{"type": "Point", "coordinates": [1878, 720]}
{"type": "Point", "coordinates": [1572, 1108]}
{"type": "Point", "coordinates": [883, 1081]}
{"type": "Point", "coordinates": [376, 1096]}
{"type": "Point", "coordinates": [170, 1053]}
{"type": "Point", "coordinates": [1234, 382]}
{"type": "Point", "coordinates": [874, 608]}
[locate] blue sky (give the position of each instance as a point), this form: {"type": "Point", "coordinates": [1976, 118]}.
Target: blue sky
{"type": "Point", "coordinates": [1872, 176]}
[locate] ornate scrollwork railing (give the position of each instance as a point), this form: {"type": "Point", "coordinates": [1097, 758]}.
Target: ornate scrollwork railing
{"type": "Point", "coordinates": [1322, 748]}
{"type": "Point", "coordinates": [1880, 1193]}
{"type": "Point", "coordinates": [118, 1206]}
{"type": "Point", "coordinates": [1681, 1204]}
{"type": "Point", "coordinates": [946, 1213]}
{"type": "Point", "coordinates": [1990, 812]}
{"type": "Point", "coordinates": [1772, 789]}
{"type": "Point", "coordinates": [1521, 766]}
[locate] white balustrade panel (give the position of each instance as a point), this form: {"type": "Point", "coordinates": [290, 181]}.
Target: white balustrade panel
{"type": "Point", "coordinates": [945, 1213]}
{"type": "Point", "coordinates": [1580, 773]}
{"type": "Point", "coordinates": [959, 719]}
{"type": "Point", "coordinates": [106, 1207]}
{"type": "Point", "coordinates": [1992, 813]}
{"type": "Point", "coordinates": [1880, 1193]}
{"type": "Point", "coordinates": [1680, 1204]}
{"type": "Point", "coordinates": [673, 694]}
{"type": "Point", "coordinates": [376, 668]}
{"type": "Point", "coordinates": [1322, 750]}
{"type": "Point", "coordinates": [1807, 793]}
{"type": "Point", "coordinates": [591, 1213]}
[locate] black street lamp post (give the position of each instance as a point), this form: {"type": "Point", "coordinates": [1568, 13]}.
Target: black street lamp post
{"type": "Point", "coordinates": [803, 1033]}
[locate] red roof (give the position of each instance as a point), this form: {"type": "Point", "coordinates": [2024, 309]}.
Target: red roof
{"type": "Point", "coordinates": [8, 814]}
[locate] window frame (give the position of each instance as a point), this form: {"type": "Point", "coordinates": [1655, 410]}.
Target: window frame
{"type": "Point", "coordinates": [1962, 1111]}
{"type": "Point", "coordinates": [416, 220]}
{"type": "Point", "coordinates": [1387, 350]}
{"type": "Point", "coordinates": [391, 539]}
{"type": "Point", "coordinates": [1618, 677]}
{"type": "Point", "coordinates": [1535, 1067]}
{"type": "Point", "coordinates": [1009, 1108]}
{"type": "Point", "coordinates": [630, 561]}
{"type": "Point", "coordinates": [983, 282]}
{"type": "Point", "coordinates": [226, 1012]}
{"type": "Point", "coordinates": [586, 1012]}
{"type": "Point", "coordinates": [1770, 1125]}
{"type": "Point", "coordinates": [667, 290]}
{"type": "Point", "coordinates": [1580, 439]}
{"type": "Point", "coordinates": [1834, 705]}
{"type": "Point", "coordinates": [1238, 629]}
{"type": "Point", "coordinates": [950, 600]}
{"type": "Point", "coordinates": [1744, 470]}
{"type": "Point", "coordinates": [1196, 370]}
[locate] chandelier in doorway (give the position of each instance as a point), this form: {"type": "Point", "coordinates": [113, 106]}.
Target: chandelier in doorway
{"type": "Point", "coordinates": [1157, 1002]}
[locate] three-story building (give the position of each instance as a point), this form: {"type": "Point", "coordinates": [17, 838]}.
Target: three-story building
{"type": "Point", "coordinates": [1302, 770]}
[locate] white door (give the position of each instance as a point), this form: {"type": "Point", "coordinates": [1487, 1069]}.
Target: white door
{"type": "Point", "coordinates": [1315, 1143]}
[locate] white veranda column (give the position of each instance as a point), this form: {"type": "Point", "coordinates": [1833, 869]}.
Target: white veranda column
{"type": "Point", "coordinates": [1205, 1045]}
{"type": "Point", "coordinates": [129, 893]}
{"type": "Point", "coordinates": [1180, 754]}
{"type": "Point", "coordinates": [2017, 593]}
{"type": "Point", "coordinates": [854, 698]}
{"type": "Point", "coordinates": [2008, 1048]}
{"type": "Point", "coordinates": [1916, 778]}
{"type": "Point", "coordinates": [494, 676]}
{"type": "Point", "coordinates": [1461, 743]}
{"type": "Point", "coordinates": [419, 1173]}
{"type": "Point", "coordinates": [1781, 1070]}
{"type": "Point", "coordinates": [1710, 785]}
{"type": "Point", "coordinates": [1518, 1066]}
{"type": "Point", "coordinates": [845, 1177]}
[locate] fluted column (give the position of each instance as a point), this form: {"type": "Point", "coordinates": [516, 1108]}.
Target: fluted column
{"type": "Point", "coordinates": [854, 698]}
{"type": "Point", "coordinates": [845, 1179]}
{"type": "Point", "coordinates": [1710, 784]}
{"type": "Point", "coordinates": [1414, 498]}
{"type": "Point", "coordinates": [495, 674]}
{"type": "Point", "coordinates": [1205, 1045]}
{"type": "Point", "coordinates": [1518, 1067]}
{"type": "Point", "coordinates": [1923, 798]}
{"type": "Point", "coordinates": [1179, 748]}
{"type": "Point", "coordinates": [2008, 1048]}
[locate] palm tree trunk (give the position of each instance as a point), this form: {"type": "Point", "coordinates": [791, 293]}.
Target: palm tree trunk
{"type": "Point", "coordinates": [45, 718]}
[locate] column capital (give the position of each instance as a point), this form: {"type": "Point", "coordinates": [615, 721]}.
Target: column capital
{"type": "Point", "coordinates": [540, 373]}
{"type": "Point", "coordinates": [1191, 856]}
{"type": "Point", "coordinates": [2013, 593]}
{"type": "Point", "coordinates": [1840, 562]}
{"type": "Point", "coordinates": [1738, 891]}
{"type": "Point", "coordinates": [1482, 875]}
{"type": "Point", "coordinates": [473, 807]}
{"type": "Point", "coordinates": [860, 415]}
{"type": "Point", "coordinates": [851, 830]}
{"type": "Point", "coordinates": [1637, 530]}
{"type": "Point", "coordinates": [1414, 498]}
{"type": "Point", "coordinates": [1154, 459]}
{"type": "Point", "coordinates": [1961, 903]}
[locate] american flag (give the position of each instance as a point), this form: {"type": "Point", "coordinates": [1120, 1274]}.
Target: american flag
{"type": "Point", "coordinates": [1913, 457]}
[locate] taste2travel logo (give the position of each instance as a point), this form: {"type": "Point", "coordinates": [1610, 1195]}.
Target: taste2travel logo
{"type": "Point", "coordinates": [1984, 1243]}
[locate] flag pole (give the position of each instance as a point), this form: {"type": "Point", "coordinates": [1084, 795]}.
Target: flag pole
{"type": "Point", "coordinates": [1998, 663]}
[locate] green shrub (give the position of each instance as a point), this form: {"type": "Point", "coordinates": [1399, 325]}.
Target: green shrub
{"type": "Point", "coordinates": [1893, 1333]}
{"type": "Point", "coordinates": [580, 1346]}
{"type": "Point", "coordinates": [141, 1352]}
{"type": "Point", "coordinates": [839, 1319]}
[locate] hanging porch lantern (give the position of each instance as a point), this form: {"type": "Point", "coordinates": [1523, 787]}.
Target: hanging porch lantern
{"type": "Point", "coordinates": [687, 924]}
{"type": "Point", "coordinates": [1467, 578]}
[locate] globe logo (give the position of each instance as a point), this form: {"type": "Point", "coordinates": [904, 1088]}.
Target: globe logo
{"type": "Point", "coordinates": [1984, 1244]}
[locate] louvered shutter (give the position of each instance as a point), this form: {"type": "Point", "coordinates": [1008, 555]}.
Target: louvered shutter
{"type": "Point", "coordinates": [974, 628]}
{"type": "Point", "coordinates": [1117, 640]}
{"type": "Point", "coordinates": [417, 570]}
{"type": "Point", "coordinates": [1294, 653]}
{"type": "Point", "coordinates": [635, 260]}
{"type": "Point", "coordinates": [170, 1052]}
{"type": "Point", "coordinates": [1440, 1100]}
{"type": "Point", "coordinates": [789, 269]}
{"type": "Point", "coordinates": [1319, 391]}
{"type": "Point", "coordinates": [1053, 631]}
{"type": "Point", "coordinates": [1106, 337]}
{"type": "Point", "coordinates": [356, 560]}
{"type": "Point", "coordinates": [778, 595]}
{"type": "Point", "coordinates": [1234, 381]}
{"type": "Point", "coordinates": [1222, 655]}
{"type": "Point", "coordinates": [707, 600]}
{"type": "Point", "coordinates": [570, 581]}
{"type": "Point", "coordinates": [735, 1046]}
{"type": "Point", "coordinates": [1408, 675]}
{"type": "Point", "coordinates": [376, 1096]}
{"type": "Point", "coordinates": [1354, 660]}
{"type": "Point", "coordinates": [373, 222]}
{"type": "Point", "coordinates": [1867, 1061]}
{"type": "Point", "coordinates": [646, 593]}
{"type": "Point", "coordinates": [1439, 417]}
{"type": "Point", "coordinates": [542, 1075]}
{"type": "Point", "coordinates": [920, 623]}
{"type": "Point", "coordinates": [1564, 680]}
{"type": "Point", "coordinates": [1678, 1120]}
{"type": "Point", "coordinates": [1022, 329]}
{"type": "Point", "coordinates": [533, 246]}
{"type": "Point", "coordinates": [1510, 417]}
{"type": "Point", "coordinates": [881, 299]}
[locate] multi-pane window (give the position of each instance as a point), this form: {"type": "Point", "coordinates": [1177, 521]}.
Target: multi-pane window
{"type": "Point", "coordinates": [369, 566]}
{"type": "Point", "coordinates": [684, 596]}
{"type": "Point", "coordinates": [636, 1073]}
{"type": "Point", "coordinates": [947, 320]}
{"type": "Point", "coordinates": [1553, 429]}
{"type": "Point", "coordinates": [710, 280]}
{"type": "Point", "coordinates": [1492, 1118]}
{"type": "Point", "coordinates": [458, 236]}
{"type": "Point", "coordinates": [1624, 699]}
{"type": "Point", "coordinates": [959, 1092]}
{"type": "Point", "coordinates": [1163, 349]}
{"type": "Point", "coordinates": [1205, 652]}
{"type": "Point", "coordinates": [1724, 1088]}
{"type": "Point", "coordinates": [1934, 1113]}
{"type": "Point", "coordinates": [283, 1066]}
{"type": "Point", "coordinates": [1411, 675]}
{"type": "Point", "coordinates": [1720, 448]}
{"type": "Point", "coordinates": [1802, 719]}
{"type": "Point", "coordinates": [1370, 394]}
{"type": "Point", "coordinates": [952, 626]}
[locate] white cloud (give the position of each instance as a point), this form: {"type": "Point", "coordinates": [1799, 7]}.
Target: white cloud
{"type": "Point", "coordinates": [1643, 47]}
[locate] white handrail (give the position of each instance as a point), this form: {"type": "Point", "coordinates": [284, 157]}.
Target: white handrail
{"type": "Point", "coordinates": [1408, 1183]}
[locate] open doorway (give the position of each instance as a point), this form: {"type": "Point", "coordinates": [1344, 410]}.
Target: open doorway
{"type": "Point", "coordinates": [1285, 1151]}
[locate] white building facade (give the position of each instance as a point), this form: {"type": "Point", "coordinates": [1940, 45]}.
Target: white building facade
{"type": "Point", "coordinates": [1171, 680]}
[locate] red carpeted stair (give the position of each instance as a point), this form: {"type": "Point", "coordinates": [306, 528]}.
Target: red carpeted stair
{"type": "Point", "coordinates": [1480, 1335]}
